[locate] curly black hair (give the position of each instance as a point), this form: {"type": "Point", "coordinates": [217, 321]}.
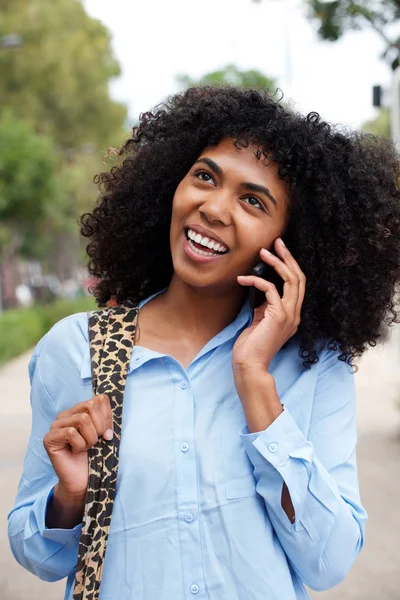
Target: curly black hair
{"type": "Point", "coordinates": [344, 210]}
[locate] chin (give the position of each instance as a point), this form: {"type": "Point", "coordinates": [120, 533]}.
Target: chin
{"type": "Point", "coordinates": [193, 280]}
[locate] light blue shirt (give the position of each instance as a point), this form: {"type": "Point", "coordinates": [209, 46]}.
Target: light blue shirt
{"type": "Point", "coordinates": [198, 509]}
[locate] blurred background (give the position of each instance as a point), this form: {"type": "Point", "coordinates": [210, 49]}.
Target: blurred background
{"type": "Point", "coordinates": [74, 78]}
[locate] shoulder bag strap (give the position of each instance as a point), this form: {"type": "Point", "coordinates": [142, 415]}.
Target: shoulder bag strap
{"type": "Point", "coordinates": [111, 338]}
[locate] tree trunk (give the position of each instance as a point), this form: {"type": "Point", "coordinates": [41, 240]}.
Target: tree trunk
{"type": "Point", "coordinates": [10, 276]}
{"type": "Point", "coordinates": [64, 261]}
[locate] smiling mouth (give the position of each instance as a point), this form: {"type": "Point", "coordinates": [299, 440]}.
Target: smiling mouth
{"type": "Point", "coordinates": [208, 247]}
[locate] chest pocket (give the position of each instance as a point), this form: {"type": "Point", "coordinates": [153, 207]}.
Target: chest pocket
{"type": "Point", "coordinates": [238, 469]}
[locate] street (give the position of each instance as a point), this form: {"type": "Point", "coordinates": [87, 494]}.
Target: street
{"type": "Point", "coordinates": [375, 574]}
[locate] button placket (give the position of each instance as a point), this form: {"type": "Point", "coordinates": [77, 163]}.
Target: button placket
{"type": "Point", "coordinates": [186, 480]}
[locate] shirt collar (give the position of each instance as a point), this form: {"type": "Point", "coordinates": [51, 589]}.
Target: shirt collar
{"type": "Point", "coordinates": [243, 319]}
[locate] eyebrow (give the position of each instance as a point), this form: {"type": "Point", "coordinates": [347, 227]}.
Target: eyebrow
{"type": "Point", "coordinates": [251, 187]}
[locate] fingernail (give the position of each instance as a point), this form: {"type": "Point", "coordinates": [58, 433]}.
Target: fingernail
{"type": "Point", "coordinates": [282, 242]}
{"type": "Point", "coordinates": [108, 435]}
{"type": "Point", "coordinates": [266, 251]}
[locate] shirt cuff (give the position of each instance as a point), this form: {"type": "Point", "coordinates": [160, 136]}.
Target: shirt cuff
{"type": "Point", "coordinates": [67, 537]}
{"type": "Point", "coordinates": [277, 443]}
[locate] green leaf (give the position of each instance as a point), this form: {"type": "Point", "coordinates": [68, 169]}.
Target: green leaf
{"type": "Point", "coordinates": [230, 76]}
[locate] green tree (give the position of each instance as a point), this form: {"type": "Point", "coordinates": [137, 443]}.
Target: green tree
{"type": "Point", "coordinates": [58, 83]}
{"type": "Point", "coordinates": [27, 180]}
{"type": "Point", "coordinates": [230, 75]}
{"type": "Point", "coordinates": [380, 125]}
{"type": "Point", "coordinates": [59, 246]}
{"type": "Point", "coordinates": [27, 188]}
{"type": "Point", "coordinates": [336, 17]}
{"type": "Point", "coordinates": [59, 78]}
{"type": "Point", "coordinates": [42, 192]}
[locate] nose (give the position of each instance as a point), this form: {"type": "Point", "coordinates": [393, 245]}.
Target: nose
{"type": "Point", "coordinates": [217, 208]}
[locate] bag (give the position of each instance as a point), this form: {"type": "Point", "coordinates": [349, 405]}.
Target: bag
{"type": "Point", "coordinates": [111, 339]}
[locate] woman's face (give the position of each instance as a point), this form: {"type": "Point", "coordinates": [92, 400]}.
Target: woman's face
{"type": "Point", "coordinates": [231, 197]}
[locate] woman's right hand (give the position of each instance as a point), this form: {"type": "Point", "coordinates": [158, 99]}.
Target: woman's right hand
{"type": "Point", "coordinates": [71, 435]}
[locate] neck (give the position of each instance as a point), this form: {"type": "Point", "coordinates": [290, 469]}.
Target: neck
{"type": "Point", "coordinates": [199, 312]}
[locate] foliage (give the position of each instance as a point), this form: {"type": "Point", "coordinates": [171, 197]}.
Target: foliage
{"type": "Point", "coordinates": [27, 177]}
{"type": "Point", "coordinates": [22, 328]}
{"type": "Point", "coordinates": [62, 122]}
{"type": "Point", "coordinates": [42, 191]}
{"type": "Point", "coordinates": [230, 75]}
{"type": "Point", "coordinates": [59, 77]}
{"type": "Point", "coordinates": [75, 193]}
{"type": "Point", "coordinates": [338, 16]}
{"type": "Point", "coordinates": [334, 18]}
{"type": "Point", "coordinates": [380, 125]}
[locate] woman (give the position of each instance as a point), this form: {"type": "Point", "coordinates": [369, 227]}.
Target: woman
{"type": "Point", "coordinates": [237, 476]}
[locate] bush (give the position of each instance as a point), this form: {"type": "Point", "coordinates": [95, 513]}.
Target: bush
{"type": "Point", "coordinates": [22, 328]}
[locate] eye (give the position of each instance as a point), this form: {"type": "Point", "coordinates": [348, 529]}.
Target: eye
{"type": "Point", "coordinates": [257, 202]}
{"type": "Point", "coordinates": [204, 176]}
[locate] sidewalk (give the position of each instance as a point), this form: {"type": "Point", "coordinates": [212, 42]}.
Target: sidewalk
{"type": "Point", "coordinates": [375, 574]}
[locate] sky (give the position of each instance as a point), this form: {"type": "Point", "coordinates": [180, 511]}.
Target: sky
{"type": "Point", "coordinates": [155, 40]}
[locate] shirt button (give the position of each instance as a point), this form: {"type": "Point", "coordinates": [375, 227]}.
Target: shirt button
{"type": "Point", "coordinates": [194, 588]}
{"type": "Point", "coordinates": [184, 385]}
{"type": "Point", "coordinates": [273, 447]}
{"type": "Point", "coordinates": [189, 517]}
{"type": "Point", "coordinates": [184, 447]}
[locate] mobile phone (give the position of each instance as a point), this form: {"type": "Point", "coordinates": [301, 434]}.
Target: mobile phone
{"type": "Point", "coordinates": [262, 269]}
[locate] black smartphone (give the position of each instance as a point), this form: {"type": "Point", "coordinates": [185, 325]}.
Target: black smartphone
{"type": "Point", "coordinates": [262, 269]}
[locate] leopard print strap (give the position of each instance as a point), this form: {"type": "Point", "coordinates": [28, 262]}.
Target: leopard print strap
{"type": "Point", "coordinates": [111, 338]}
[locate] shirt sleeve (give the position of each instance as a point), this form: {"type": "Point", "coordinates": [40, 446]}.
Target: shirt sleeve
{"type": "Point", "coordinates": [320, 472]}
{"type": "Point", "coordinates": [51, 554]}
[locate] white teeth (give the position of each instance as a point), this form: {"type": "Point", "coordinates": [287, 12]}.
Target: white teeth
{"type": "Point", "coordinates": [206, 242]}
{"type": "Point", "coordinates": [193, 247]}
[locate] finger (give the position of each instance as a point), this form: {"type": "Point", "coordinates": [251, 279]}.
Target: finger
{"type": "Point", "coordinates": [74, 439]}
{"type": "Point", "coordinates": [107, 412]}
{"type": "Point", "coordinates": [302, 292]}
{"type": "Point", "coordinates": [269, 289]}
{"type": "Point", "coordinates": [67, 436]}
{"type": "Point", "coordinates": [295, 268]}
{"type": "Point", "coordinates": [280, 267]}
{"type": "Point", "coordinates": [99, 410]}
{"type": "Point", "coordinates": [291, 280]}
{"type": "Point", "coordinates": [82, 423]}
{"type": "Point", "coordinates": [287, 256]}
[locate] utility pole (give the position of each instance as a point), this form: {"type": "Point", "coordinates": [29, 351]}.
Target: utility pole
{"type": "Point", "coordinates": [395, 109]}
{"type": "Point", "coordinates": [389, 98]}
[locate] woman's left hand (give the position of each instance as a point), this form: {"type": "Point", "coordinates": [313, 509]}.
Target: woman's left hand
{"type": "Point", "coordinates": [277, 319]}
